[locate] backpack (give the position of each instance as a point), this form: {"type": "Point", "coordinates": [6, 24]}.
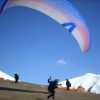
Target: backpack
{"type": "Point", "coordinates": [48, 89]}
{"type": "Point", "coordinates": [69, 84]}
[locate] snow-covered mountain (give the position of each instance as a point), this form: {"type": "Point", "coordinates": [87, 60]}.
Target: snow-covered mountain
{"type": "Point", "coordinates": [5, 76]}
{"type": "Point", "coordinates": [89, 81]}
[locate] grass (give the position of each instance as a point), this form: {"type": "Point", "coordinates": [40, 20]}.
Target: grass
{"type": "Point", "coordinates": [27, 91]}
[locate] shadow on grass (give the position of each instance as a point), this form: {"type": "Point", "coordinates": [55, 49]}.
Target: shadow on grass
{"type": "Point", "coordinates": [21, 90]}
{"type": "Point", "coordinates": [40, 99]}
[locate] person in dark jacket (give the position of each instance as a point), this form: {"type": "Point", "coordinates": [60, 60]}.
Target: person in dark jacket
{"type": "Point", "coordinates": [52, 86]}
{"type": "Point", "coordinates": [16, 76]}
{"type": "Point", "coordinates": [68, 84]}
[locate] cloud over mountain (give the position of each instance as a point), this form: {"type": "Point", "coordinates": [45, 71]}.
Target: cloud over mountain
{"type": "Point", "coordinates": [62, 62]}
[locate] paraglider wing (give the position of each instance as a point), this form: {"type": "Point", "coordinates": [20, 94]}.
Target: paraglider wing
{"type": "Point", "coordinates": [61, 11]}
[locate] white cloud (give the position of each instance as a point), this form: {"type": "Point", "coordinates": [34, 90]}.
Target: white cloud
{"type": "Point", "coordinates": [62, 62]}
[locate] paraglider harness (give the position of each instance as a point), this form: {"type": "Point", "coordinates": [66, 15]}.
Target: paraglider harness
{"type": "Point", "coordinates": [69, 84]}
{"type": "Point", "coordinates": [48, 89]}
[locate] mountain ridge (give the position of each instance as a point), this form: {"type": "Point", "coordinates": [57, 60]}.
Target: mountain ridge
{"type": "Point", "coordinates": [6, 76]}
{"type": "Point", "coordinates": [89, 81]}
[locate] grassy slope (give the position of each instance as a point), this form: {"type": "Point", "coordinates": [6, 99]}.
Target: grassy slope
{"type": "Point", "coordinates": [27, 91]}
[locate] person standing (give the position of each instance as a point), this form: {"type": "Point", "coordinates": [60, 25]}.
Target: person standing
{"type": "Point", "coordinates": [16, 77]}
{"type": "Point", "coordinates": [68, 84]}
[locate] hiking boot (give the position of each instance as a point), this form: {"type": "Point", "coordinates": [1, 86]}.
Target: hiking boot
{"type": "Point", "coordinates": [53, 98]}
{"type": "Point", "coordinates": [48, 97]}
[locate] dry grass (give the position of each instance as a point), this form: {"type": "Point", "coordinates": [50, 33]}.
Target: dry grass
{"type": "Point", "coordinates": [27, 91]}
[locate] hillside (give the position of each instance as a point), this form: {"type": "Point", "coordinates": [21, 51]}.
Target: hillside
{"type": "Point", "coordinates": [27, 91]}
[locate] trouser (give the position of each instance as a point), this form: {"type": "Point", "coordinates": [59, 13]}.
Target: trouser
{"type": "Point", "coordinates": [67, 88]}
{"type": "Point", "coordinates": [16, 80]}
{"type": "Point", "coordinates": [52, 94]}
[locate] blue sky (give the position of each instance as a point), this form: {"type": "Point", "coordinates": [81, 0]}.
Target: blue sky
{"type": "Point", "coordinates": [37, 47]}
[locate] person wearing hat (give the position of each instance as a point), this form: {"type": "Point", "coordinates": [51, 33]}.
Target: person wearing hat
{"type": "Point", "coordinates": [16, 77]}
